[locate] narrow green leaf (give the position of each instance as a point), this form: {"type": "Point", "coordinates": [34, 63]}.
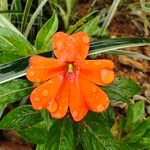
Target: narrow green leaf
{"type": "Point", "coordinates": [45, 34]}
{"type": "Point", "coordinates": [25, 15]}
{"type": "Point", "coordinates": [20, 117]}
{"type": "Point", "coordinates": [34, 16]}
{"type": "Point", "coordinates": [90, 26]}
{"type": "Point", "coordinates": [122, 89]}
{"type": "Point", "coordinates": [101, 46]}
{"type": "Point", "coordinates": [16, 68]}
{"type": "Point", "coordinates": [96, 135]}
{"type": "Point", "coordinates": [79, 23]}
{"type": "Point", "coordinates": [35, 135]}
{"type": "Point", "coordinates": [61, 136]}
{"type": "Point", "coordinates": [14, 90]}
{"type": "Point", "coordinates": [109, 16]}
{"type": "Point", "coordinates": [129, 54]}
{"type": "Point", "coordinates": [7, 24]}
{"type": "Point", "coordinates": [13, 42]}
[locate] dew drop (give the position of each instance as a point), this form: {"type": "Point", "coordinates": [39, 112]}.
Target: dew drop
{"type": "Point", "coordinates": [85, 40]}
{"type": "Point", "coordinates": [39, 107]}
{"type": "Point", "coordinates": [36, 99]}
{"type": "Point", "coordinates": [100, 108]}
{"type": "Point", "coordinates": [75, 114]}
{"type": "Point", "coordinates": [94, 89]}
{"type": "Point", "coordinates": [52, 107]}
{"type": "Point", "coordinates": [45, 93]}
{"type": "Point", "coordinates": [31, 73]}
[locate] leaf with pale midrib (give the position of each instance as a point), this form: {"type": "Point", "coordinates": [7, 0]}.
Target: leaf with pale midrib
{"type": "Point", "coordinates": [96, 135]}
{"type": "Point", "coordinates": [20, 117]}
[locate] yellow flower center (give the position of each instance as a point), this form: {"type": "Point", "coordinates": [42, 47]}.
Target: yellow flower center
{"type": "Point", "coordinates": [70, 68]}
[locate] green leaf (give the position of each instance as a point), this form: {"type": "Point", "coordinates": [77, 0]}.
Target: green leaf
{"type": "Point", "coordinates": [14, 90]}
{"type": "Point", "coordinates": [91, 26]}
{"type": "Point", "coordinates": [122, 89]}
{"type": "Point", "coordinates": [2, 108]}
{"type": "Point", "coordinates": [109, 116]}
{"type": "Point", "coordinates": [40, 147]}
{"type": "Point", "coordinates": [135, 114]}
{"type": "Point", "coordinates": [79, 23]}
{"type": "Point", "coordinates": [96, 135]}
{"type": "Point", "coordinates": [139, 132]}
{"type": "Point", "coordinates": [45, 34]}
{"type": "Point", "coordinates": [106, 45]}
{"type": "Point", "coordinates": [61, 136]}
{"type": "Point", "coordinates": [129, 54]}
{"type": "Point", "coordinates": [35, 135]}
{"type": "Point", "coordinates": [20, 117]}
{"type": "Point", "coordinates": [11, 42]}
{"type": "Point", "coordinates": [7, 24]}
{"type": "Point", "coordinates": [7, 57]}
{"type": "Point", "coordinates": [16, 69]}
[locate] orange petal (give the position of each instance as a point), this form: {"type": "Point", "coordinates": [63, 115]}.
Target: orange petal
{"type": "Point", "coordinates": [95, 64]}
{"type": "Point", "coordinates": [70, 48]}
{"type": "Point", "coordinates": [62, 99]}
{"type": "Point", "coordinates": [101, 77]}
{"type": "Point", "coordinates": [42, 95]}
{"type": "Point", "coordinates": [83, 41]}
{"type": "Point", "coordinates": [77, 106]}
{"type": "Point", "coordinates": [42, 69]}
{"type": "Point", "coordinates": [95, 98]}
{"type": "Point", "coordinates": [97, 71]}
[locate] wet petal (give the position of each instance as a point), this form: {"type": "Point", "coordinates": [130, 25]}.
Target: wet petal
{"type": "Point", "coordinates": [42, 69]}
{"type": "Point", "coordinates": [101, 77]}
{"type": "Point", "coordinates": [95, 64]}
{"type": "Point", "coordinates": [83, 41]}
{"type": "Point", "coordinates": [62, 99]}
{"type": "Point", "coordinates": [77, 105]}
{"type": "Point", "coordinates": [70, 48]}
{"type": "Point", "coordinates": [97, 71]}
{"type": "Point", "coordinates": [42, 95]}
{"type": "Point", "coordinates": [95, 98]}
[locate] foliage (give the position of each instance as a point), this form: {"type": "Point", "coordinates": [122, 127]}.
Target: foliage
{"type": "Point", "coordinates": [105, 131]}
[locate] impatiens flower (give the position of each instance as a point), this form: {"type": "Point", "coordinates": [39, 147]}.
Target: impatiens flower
{"type": "Point", "coordinates": [69, 82]}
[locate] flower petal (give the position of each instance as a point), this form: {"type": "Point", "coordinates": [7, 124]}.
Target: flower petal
{"type": "Point", "coordinates": [95, 98]}
{"type": "Point", "coordinates": [42, 69]}
{"type": "Point", "coordinates": [70, 48]}
{"type": "Point", "coordinates": [97, 71]}
{"type": "Point", "coordinates": [95, 64]}
{"type": "Point", "coordinates": [62, 99]}
{"type": "Point", "coordinates": [42, 95]}
{"type": "Point", "coordinates": [77, 105]}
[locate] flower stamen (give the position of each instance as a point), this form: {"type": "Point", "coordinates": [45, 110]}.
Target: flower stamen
{"type": "Point", "coordinates": [70, 68]}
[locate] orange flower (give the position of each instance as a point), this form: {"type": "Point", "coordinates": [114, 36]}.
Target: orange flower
{"type": "Point", "coordinates": [70, 79]}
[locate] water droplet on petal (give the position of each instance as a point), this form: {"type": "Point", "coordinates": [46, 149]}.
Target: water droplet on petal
{"type": "Point", "coordinates": [31, 73]}
{"type": "Point", "coordinates": [58, 115]}
{"type": "Point", "coordinates": [75, 114]}
{"type": "Point", "coordinates": [45, 93]}
{"type": "Point", "coordinates": [100, 108]}
{"type": "Point", "coordinates": [39, 107]}
{"type": "Point", "coordinates": [36, 99]}
{"type": "Point", "coordinates": [96, 63]}
{"type": "Point", "coordinates": [94, 89]}
{"type": "Point", "coordinates": [52, 107]}
{"type": "Point", "coordinates": [85, 40]}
